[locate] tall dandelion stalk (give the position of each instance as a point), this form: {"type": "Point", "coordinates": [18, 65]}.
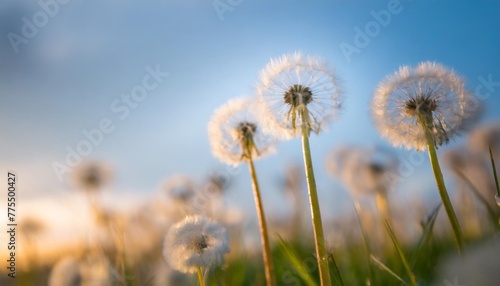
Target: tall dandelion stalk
{"type": "Point", "coordinates": [486, 140]}
{"type": "Point", "coordinates": [235, 137]}
{"type": "Point", "coordinates": [366, 172]}
{"type": "Point", "coordinates": [300, 94]}
{"type": "Point", "coordinates": [422, 108]}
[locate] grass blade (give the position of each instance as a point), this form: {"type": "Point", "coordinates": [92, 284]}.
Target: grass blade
{"type": "Point", "coordinates": [401, 254]}
{"type": "Point", "coordinates": [296, 263]}
{"type": "Point", "coordinates": [334, 270]}
{"type": "Point", "coordinates": [478, 196]}
{"type": "Point", "coordinates": [386, 268]}
{"type": "Point", "coordinates": [494, 172]}
{"type": "Point", "coordinates": [428, 226]}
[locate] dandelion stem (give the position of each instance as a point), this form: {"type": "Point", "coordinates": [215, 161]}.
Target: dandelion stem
{"type": "Point", "coordinates": [200, 276]}
{"type": "Point", "coordinates": [494, 172]}
{"type": "Point", "coordinates": [319, 240]}
{"type": "Point", "coordinates": [383, 206]}
{"type": "Point", "coordinates": [266, 248]}
{"type": "Point", "coordinates": [441, 186]}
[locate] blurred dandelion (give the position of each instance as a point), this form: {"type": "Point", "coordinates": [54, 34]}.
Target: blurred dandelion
{"type": "Point", "coordinates": [196, 244]}
{"type": "Point", "coordinates": [367, 172]}
{"type": "Point", "coordinates": [30, 229]}
{"type": "Point", "coordinates": [423, 108]}
{"type": "Point", "coordinates": [214, 189]}
{"type": "Point", "coordinates": [181, 190]}
{"type": "Point", "coordinates": [364, 171]}
{"type": "Point", "coordinates": [235, 137]}
{"type": "Point", "coordinates": [91, 176]}
{"type": "Point", "coordinates": [486, 140]}
{"type": "Point", "coordinates": [66, 272]}
{"type": "Point", "coordinates": [300, 94]}
{"type": "Point", "coordinates": [92, 270]}
{"type": "Point", "coordinates": [470, 168]}
{"type": "Point", "coordinates": [485, 137]}
{"type": "Point", "coordinates": [292, 184]}
{"type": "Point", "coordinates": [479, 266]}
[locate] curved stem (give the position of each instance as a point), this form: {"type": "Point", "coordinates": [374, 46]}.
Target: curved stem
{"type": "Point", "coordinates": [200, 276]}
{"type": "Point", "coordinates": [266, 248]}
{"type": "Point", "coordinates": [319, 239]}
{"type": "Point", "coordinates": [457, 231]}
{"type": "Point", "coordinates": [494, 172]}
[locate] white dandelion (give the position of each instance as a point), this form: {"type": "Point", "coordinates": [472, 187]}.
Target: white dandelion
{"type": "Point", "coordinates": [422, 108]}
{"type": "Point", "coordinates": [180, 188]}
{"type": "Point", "coordinates": [92, 270]}
{"type": "Point", "coordinates": [297, 90]}
{"type": "Point", "coordinates": [485, 137]}
{"type": "Point", "coordinates": [479, 266]}
{"type": "Point", "coordinates": [429, 93]}
{"type": "Point", "coordinates": [300, 94]}
{"type": "Point", "coordinates": [235, 134]}
{"type": "Point", "coordinates": [195, 243]}
{"type": "Point", "coordinates": [66, 272]}
{"type": "Point", "coordinates": [364, 171]}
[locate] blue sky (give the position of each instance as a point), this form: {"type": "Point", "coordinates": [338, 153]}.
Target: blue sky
{"type": "Point", "coordinates": [64, 79]}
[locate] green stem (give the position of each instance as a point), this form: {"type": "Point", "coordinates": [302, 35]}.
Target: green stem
{"type": "Point", "coordinates": [494, 172]}
{"type": "Point", "coordinates": [200, 276]}
{"type": "Point", "coordinates": [319, 240]}
{"type": "Point", "coordinates": [384, 215]}
{"type": "Point", "coordinates": [266, 248]}
{"type": "Point", "coordinates": [383, 206]}
{"type": "Point", "coordinates": [457, 231]}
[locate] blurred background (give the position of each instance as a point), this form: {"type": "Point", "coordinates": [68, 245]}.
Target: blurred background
{"type": "Point", "coordinates": [68, 70]}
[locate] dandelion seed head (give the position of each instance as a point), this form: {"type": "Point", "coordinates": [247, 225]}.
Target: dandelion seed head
{"type": "Point", "coordinates": [363, 171]}
{"type": "Point", "coordinates": [472, 166]}
{"type": "Point", "coordinates": [66, 272]}
{"type": "Point", "coordinates": [293, 84]}
{"type": "Point", "coordinates": [235, 134]}
{"type": "Point", "coordinates": [92, 175]}
{"type": "Point", "coordinates": [180, 188]}
{"type": "Point", "coordinates": [430, 91]}
{"type": "Point", "coordinates": [195, 242]}
{"type": "Point", "coordinates": [485, 137]}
